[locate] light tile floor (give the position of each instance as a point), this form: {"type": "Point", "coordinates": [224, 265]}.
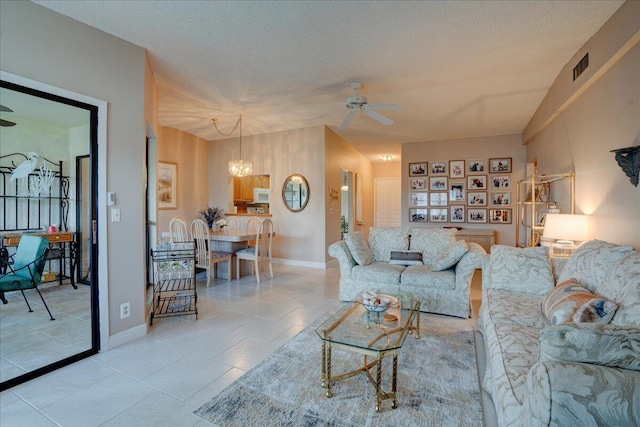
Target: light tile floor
{"type": "Point", "coordinates": [159, 380]}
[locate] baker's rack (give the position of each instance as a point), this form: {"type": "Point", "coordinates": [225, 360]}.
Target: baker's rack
{"type": "Point", "coordinates": [174, 282]}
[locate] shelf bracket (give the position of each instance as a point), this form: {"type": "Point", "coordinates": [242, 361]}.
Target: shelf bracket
{"type": "Point", "coordinates": [629, 161]}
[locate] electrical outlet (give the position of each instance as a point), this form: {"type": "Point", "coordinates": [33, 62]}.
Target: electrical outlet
{"type": "Point", "coordinates": [125, 310]}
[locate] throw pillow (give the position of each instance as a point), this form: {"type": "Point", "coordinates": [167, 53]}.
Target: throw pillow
{"type": "Point", "coordinates": [359, 248]}
{"type": "Point", "coordinates": [570, 302]}
{"type": "Point", "coordinates": [406, 258]}
{"type": "Point", "coordinates": [526, 270]}
{"type": "Point", "coordinates": [451, 256]}
{"type": "Point", "coordinates": [432, 242]}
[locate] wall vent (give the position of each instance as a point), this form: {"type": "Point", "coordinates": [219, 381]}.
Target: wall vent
{"type": "Point", "coordinates": [581, 67]}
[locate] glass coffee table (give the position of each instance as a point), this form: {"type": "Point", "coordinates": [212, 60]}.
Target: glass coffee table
{"type": "Point", "coordinates": [354, 328]}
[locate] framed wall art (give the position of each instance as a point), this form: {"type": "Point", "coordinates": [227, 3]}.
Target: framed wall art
{"type": "Point", "coordinates": [476, 215]}
{"type": "Point", "coordinates": [477, 198]}
{"type": "Point", "coordinates": [417, 184]}
{"type": "Point", "coordinates": [500, 182]}
{"type": "Point", "coordinates": [500, 216]}
{"type": "Point", "coordinates": [456, 192]}
{"type": "Point", "coordinates": [418, 169]}
{"type": "Point", "coordinates": [456, 169]}
{"type": "Point", "coordinates": [167, 185]}
{"type": "Point", "coordinates": [476, 166]}
{"type": "Point", "coordinates": [438, 168]}
{"type": "Point", "coordinates": [501, 165]}
{"type": "Point", "coordinates": [502, 198]}
{"type": "Point", "coordinates": [438, 199]}
{"type": "Point", "coordinates": [438, 215]}
{"type": "Point", "coordinates": [478, 182]}
{"type": "Point", "coordinates": [438, 183]}
{"type": "Point", "coordinates": [457, 214]}
{"type": "Point", "coordinates": [418, 199]}
{"type": "Point", "coordinates": [418, 215]}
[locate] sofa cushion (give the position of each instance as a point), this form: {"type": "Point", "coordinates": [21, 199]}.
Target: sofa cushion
{"type": "Point", "coordinates": [432, 242]}
{"type": "Point", "coordinates": [384, 240]}
{"type": "Point", "coordinates": [622, 285]}
{"type": "Point", "coordinates": [424, 276]}
{"type": "Point", "coordinates": [525, 270]}
{"type": "Point", "coordinates": [590, 263]}
{"type": "Point", "coordinates": [451, 256]}
{"type": "Point", "coordinates": [607, 345]}
{"type": "Point", "coordinates": [359, 248]}
{"type": "Point", "coordinates": [513, 308]}
{"type": "Point", "coordinates": [381, 272]}
{"type": "Point", "coordinates": [569, 302]}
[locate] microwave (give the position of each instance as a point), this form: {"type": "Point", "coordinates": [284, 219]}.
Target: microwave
{"type": "Point", "coordinates": [261, 195]}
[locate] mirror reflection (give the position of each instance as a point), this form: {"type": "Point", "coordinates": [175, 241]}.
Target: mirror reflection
{"type": "Point", "coordinates": [295, 193]}
{"type": "Point", "coordinates": [42, 186]}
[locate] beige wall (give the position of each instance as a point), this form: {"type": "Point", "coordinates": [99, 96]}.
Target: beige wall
{"type": "Point", "coordinates": [578, 124]}
{"type": "Point", "coordinates": [466, 149]}
{"type": "Point", "coordinates": [387, 170]}
{"type": "Point", "coordinates": [44, 46]}
{"type": "Point", "coordinates": [191, 154]}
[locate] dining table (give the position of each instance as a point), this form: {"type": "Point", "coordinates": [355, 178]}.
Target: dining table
{"type": "Point", "coordinates": [230, 241]}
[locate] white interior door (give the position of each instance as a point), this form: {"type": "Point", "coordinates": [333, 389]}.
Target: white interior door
{"type": "Point", "coordinates": [387, 202]}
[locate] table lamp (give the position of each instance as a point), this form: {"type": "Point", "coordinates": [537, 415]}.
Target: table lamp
{"type": "Point", "coordinates": [566, 229]}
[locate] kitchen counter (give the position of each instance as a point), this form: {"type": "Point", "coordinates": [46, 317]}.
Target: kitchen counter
{"type": "Point", "coordinates": [245, 214]}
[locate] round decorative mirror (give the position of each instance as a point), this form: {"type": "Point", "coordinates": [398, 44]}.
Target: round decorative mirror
{"type": "Point", "coordinates": [295, 192]}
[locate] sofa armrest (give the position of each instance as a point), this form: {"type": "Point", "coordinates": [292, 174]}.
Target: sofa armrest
{"type": "Point", "coordinates": [567, 393]}
{"type": "Point", "coordinates": [607, 345]}
{"type": "Point", "coordinates": [340, 251]}
{"type": "Point", "coordinates": [467, 265]}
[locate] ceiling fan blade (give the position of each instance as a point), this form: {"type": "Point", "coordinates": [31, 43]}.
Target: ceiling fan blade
{"type": "Point", "coordinates": [5, 109]}
{"type": "Point", "coordinates": [395, 107]}
{"type": "Point", "coordinates": [379, 117]}
{"type": "Point", "coordinates": [347, 119]}
{"type": "Point", "coordinates": [6, 123]}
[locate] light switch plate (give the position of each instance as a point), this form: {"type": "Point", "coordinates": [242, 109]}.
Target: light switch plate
{"type": "Point", "coordinates": [115, 215]}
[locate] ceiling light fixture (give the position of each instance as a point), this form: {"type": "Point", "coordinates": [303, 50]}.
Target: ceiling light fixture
{"type": "Point", "coordinates": [386, 157]}
{"type": "Point", "coordinates": [237, 167]}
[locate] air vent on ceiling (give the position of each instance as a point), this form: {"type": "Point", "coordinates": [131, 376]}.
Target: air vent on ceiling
{"type": "Point", "coordinates": [581, 67]}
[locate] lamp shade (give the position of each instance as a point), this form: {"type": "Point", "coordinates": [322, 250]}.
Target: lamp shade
{"type": "Point", "coordinates": [566, 227]}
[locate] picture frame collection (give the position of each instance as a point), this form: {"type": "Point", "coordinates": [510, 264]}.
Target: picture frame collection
{"type": "Point", "coordinates": [476, 191]}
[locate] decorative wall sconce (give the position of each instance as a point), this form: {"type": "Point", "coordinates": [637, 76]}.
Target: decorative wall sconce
{"type": "Point", "coordinates": [629, 161]}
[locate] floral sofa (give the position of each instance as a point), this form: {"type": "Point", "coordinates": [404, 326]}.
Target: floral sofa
{"type": "Point", "coordinates": [562, 348]}
{"type": "Point", "coordinates": [442, 276]}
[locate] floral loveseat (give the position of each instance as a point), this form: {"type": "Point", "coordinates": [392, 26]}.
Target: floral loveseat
{"type": "Point", "coordinates": [442, 276]}
{"type": "Point", "coordinates": [562, 374]}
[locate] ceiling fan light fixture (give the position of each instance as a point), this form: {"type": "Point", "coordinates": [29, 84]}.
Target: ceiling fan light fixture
{"type": "Point", "coordinates": [238, 167]}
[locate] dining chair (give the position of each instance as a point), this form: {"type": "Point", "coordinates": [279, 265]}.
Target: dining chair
{"type": "Point", "coordinates": [206, 258]}
{"type": "Point", "coordinates": [251, 227]}
{"type": "Point", "coordinates": [233, 224]}
{"type": "Point", "coordinates": [178, 229]}
{"type": "Point", "coordinates": [26, 271]}
{"type": "Point", "coordinates": [261, 253]}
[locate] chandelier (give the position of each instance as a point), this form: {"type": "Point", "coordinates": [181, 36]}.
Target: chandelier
{"type": "Point", "coordinates": [237, 167]}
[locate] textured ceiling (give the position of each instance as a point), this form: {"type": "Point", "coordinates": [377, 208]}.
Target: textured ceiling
{"type": "Point", "coordinates": [457, 68]}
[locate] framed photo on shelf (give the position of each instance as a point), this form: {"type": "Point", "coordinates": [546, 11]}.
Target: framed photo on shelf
{"type": "Point", "coordinates": [418, 199]}
{"type": "Point", "coordinates": [502, 165]}
{"type": "Point", "coordinates": [418, 215]}
{"type": "Point", "coordinates": [418, 184]}
{"type": "Point", "coordinates": [457, 214]}
{"type": "Point", "coordinates": [456, 192]}
{"type": "Point", "coordinates": [500, 182]}
{"type": "Point", "coordinates": [438, 199]}
{"type": "Point", "coordinates": [438, 215]}
{"type": "Point", "coordinates": [418, 169]}
{"type": "Point", "coordinates": [476, 215]}
{"type": "Point", "coordinates": [500, 216]}
{"type": "Point", "coordinates": [438, 168]}
{"type": "Point", "coordinates": [167, 185]}
{"type": "Point", "coordinates": [478, 182]}
{"type": "Point", "coordinates": [501, 198]}
{"type": "Point", "coordinates": [477, 198]}
{"type": "Point", "coordinates": [438, 183]}
{"type": "Point", "coordinates": [456, 168]}
{"type": "Point", "coordinates": [476, 166]}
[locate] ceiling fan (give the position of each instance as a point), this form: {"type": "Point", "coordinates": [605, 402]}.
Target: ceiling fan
{"type": "Point", "coordinates": [358, 103]}
{"type": "Point", "coordinates": [6, 123]}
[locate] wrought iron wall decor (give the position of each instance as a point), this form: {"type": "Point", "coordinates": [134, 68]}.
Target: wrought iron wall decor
{"type": "Point", "coordinates": [629, 161]}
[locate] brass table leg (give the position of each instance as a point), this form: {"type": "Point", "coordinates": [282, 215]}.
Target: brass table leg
{"type": "Point", "coordinates": [379, 384]}
{"type": "Point", "coordinates": [326, 368]}
{"type": "Point", "coordinates": [394, 381]}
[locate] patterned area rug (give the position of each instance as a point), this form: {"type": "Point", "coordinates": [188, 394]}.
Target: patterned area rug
{"type": "Point", "coordinates": [437, 385]}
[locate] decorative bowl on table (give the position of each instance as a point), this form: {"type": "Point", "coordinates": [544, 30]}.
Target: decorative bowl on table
{"type": "Point", "coordinates": [376, 302]}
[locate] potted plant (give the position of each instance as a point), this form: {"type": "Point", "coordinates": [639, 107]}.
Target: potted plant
{"type": "Point", "coordinates": [211, 215]}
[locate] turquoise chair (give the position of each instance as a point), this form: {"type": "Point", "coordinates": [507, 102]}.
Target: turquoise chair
{"type": "Point", "coordinates": [26, 271]}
